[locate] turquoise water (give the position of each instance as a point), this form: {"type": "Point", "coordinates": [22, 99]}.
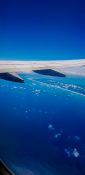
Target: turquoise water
{"type": "Point", "coordinates": [42, 125]}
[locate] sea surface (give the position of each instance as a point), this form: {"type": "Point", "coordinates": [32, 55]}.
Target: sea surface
{"type": "Point", "coordinates": [42, 125]}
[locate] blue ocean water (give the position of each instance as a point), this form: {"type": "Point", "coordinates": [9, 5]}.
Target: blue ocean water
{"type": "Point", "coordinates": [42, 125]}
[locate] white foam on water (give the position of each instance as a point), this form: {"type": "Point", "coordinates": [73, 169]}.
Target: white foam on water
{"type": "Point", "coordinates": [75, 153]}
{"type": "Point", "coordinates": [56, 136]}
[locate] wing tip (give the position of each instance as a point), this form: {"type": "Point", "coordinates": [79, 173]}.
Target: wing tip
{"type": "Point", "coordinates": [11, 77]}
{"type": "Point", "coordinates": [50, 72]}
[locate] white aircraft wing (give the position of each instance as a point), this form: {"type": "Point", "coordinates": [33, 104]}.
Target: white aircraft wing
{"type": "Point", "coordinates": [9, 69]}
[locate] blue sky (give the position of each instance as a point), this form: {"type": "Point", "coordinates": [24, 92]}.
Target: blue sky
{"type": "Point", "coordinates": [42, 29]}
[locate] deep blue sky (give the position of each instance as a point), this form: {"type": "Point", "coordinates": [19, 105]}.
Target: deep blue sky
{"type": "Point", "coordinates": [42, 29]}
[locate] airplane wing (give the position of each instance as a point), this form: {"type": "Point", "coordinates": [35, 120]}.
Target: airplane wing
{"type": "Point", "coordinates": [9, 69]}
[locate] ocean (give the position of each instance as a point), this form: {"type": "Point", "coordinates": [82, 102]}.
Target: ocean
{"type": "Point", "coordinates": [42, 125]}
